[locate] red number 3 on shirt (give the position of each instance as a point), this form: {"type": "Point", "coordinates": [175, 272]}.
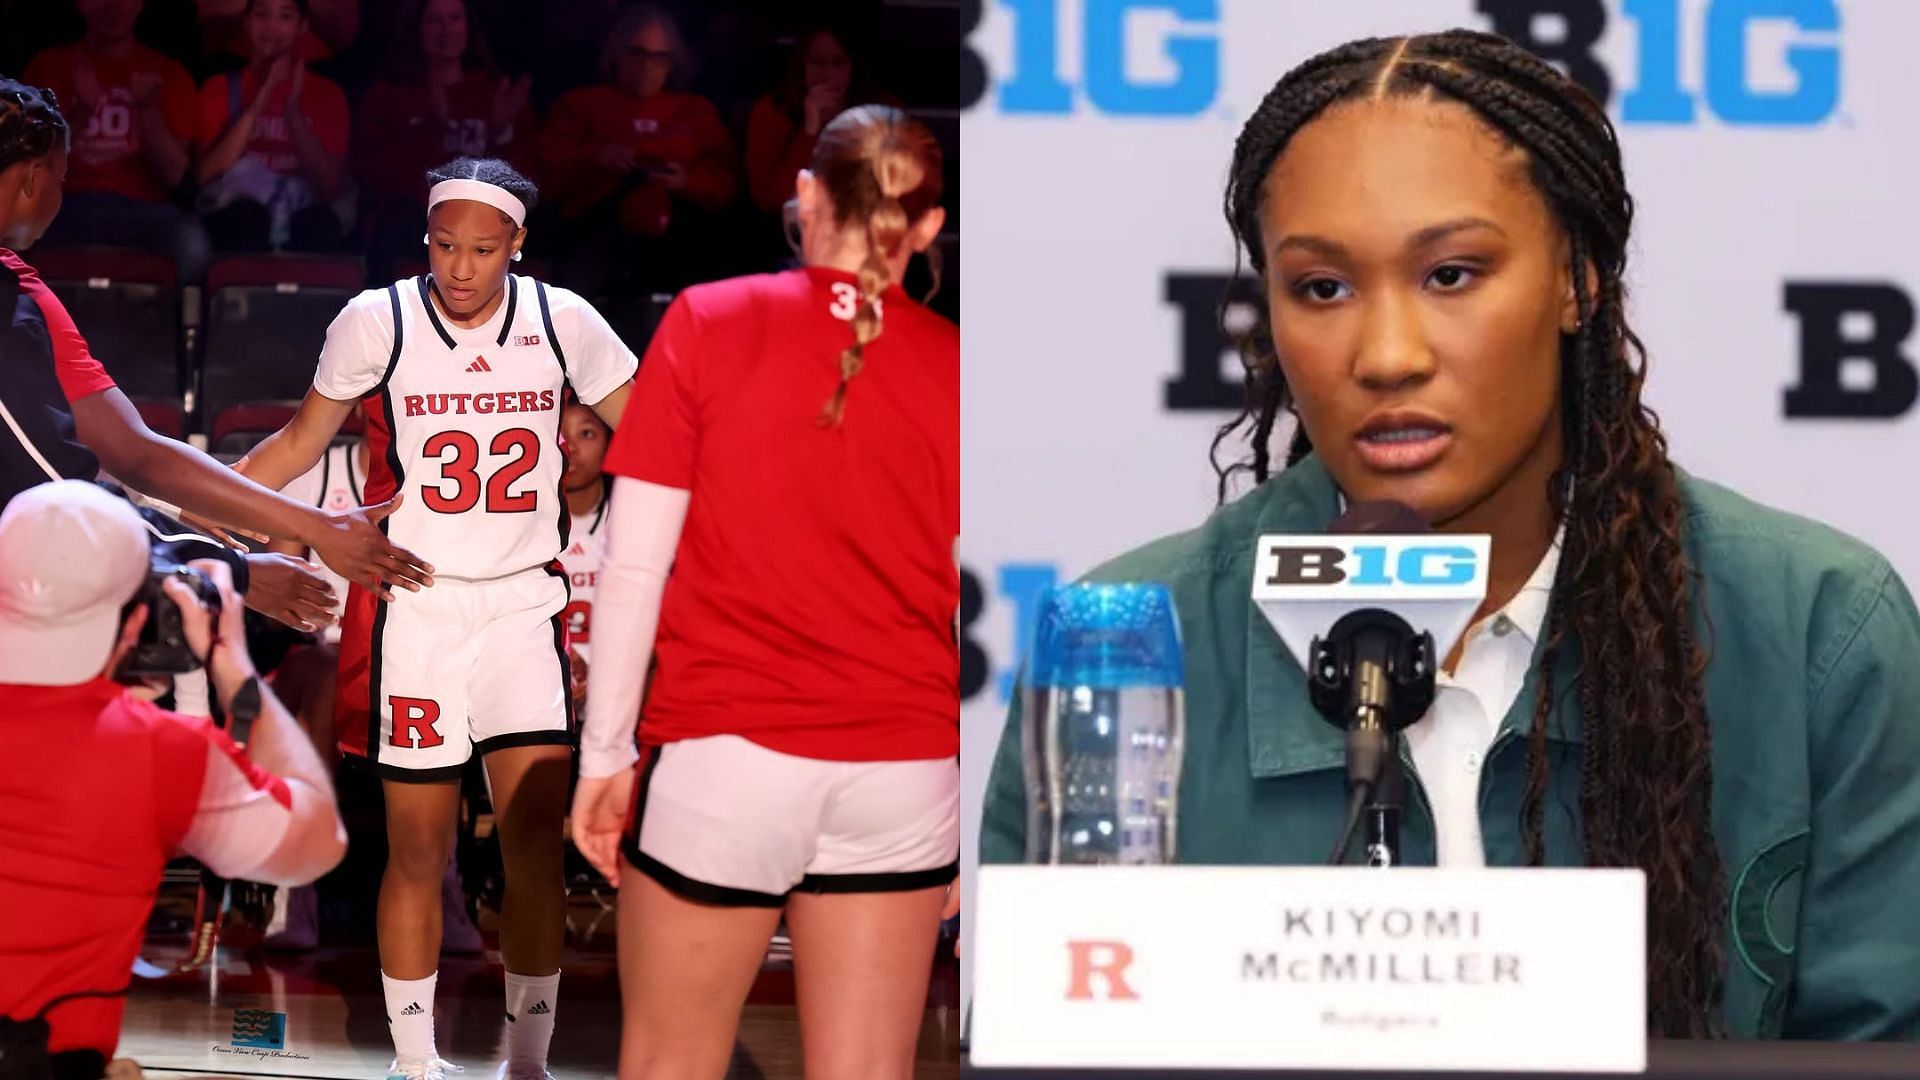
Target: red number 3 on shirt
{"type": "Point", "coordinates": [463, 470]}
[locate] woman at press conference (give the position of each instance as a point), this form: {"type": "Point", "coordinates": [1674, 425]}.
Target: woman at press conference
{"type": "Point", "coordinates": [1663, 675]}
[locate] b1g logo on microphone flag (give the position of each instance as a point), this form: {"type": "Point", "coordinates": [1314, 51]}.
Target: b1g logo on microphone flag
{"type": "Point", "coordinates": [1318, 568]}
{"type": "Point", "coordinates": [1304, 584]}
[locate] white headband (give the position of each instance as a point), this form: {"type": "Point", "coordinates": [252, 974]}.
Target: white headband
{"type": "Point", "coordinates": [481, 192]}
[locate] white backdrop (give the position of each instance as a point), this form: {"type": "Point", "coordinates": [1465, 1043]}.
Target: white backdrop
{"type": "Point", "coordinates": [1768, 143]}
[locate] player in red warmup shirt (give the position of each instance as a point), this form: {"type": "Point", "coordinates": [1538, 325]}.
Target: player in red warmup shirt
{"type": "Point", "coordinates": [463, 373]}
{"type": "Point", "coordinates": [793, 456]}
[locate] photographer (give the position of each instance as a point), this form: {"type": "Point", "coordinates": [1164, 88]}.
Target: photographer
{"type": "Point", "coordinates": [101, 787]}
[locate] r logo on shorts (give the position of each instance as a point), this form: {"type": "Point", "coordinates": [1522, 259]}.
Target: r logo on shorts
{"type": "Point", "coordinates": [414, 721]}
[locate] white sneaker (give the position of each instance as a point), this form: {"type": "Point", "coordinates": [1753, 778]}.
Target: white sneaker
{"type": "Point", "coordinates": [510, 1071]}
{"type": "Point", "coordinates": [421, 1069]}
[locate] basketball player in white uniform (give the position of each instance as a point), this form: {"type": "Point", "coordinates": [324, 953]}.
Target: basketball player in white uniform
{"type": "Point", "coordinates": [306, 680]}
{"type": "Point", "coordinates": [463, 374]}
{"type": "Point", "coordinates": [584, 438]}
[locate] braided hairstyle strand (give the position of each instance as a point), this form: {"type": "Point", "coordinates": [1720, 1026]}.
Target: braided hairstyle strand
{"type": "Point", "coordinates": [30, 123]}
{"type": "Point", "coordinates": [881, 168]}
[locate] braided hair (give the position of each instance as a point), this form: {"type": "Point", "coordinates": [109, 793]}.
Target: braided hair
{"type": "Point", "coordinates": [31, 126]}
{"type": "Point", "coordinates": [881, 168]}
{"type": "Point", "coordinates": [1623, 598]}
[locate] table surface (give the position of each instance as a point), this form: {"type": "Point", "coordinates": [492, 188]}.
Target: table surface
{"type": "Point", "coordinates": [1677, 1060]}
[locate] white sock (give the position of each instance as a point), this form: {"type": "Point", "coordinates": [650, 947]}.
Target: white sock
{"type": "Point", "coordinates": [410, 1016]}
{"type": "Point", "coordinates": [531, 1001]}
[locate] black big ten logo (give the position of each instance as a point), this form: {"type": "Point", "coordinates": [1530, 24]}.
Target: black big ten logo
{"type": "Point", "coordinates": [1216, 311]}
{"type": "Point", "coordinates": [974, 664]}
{"type": "Point", "coordinates": [1562, 32]}
{"type": "Point", "coordinates": [1853, 359]}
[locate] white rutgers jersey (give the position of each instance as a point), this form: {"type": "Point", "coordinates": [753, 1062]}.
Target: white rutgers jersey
{"type": "Point", "coordinates": [581, 561]}
{"type": "Point", "coordinates": [335, 484]}
{"type": "Point", "coordinates": [466, 423]}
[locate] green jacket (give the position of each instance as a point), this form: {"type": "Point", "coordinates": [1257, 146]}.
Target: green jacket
{"type": "Point", "coordinates": [1813, 689]}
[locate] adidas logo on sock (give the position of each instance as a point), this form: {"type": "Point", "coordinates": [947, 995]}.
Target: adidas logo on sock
{"type": "Point", "coordinates": [412, 1010]}
{"type": "Point", "coordinates": [539, 1009]}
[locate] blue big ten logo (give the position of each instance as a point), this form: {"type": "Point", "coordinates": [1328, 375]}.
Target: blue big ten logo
{"type": "Point", "coordinates": [1019, 585]}
{"type": "Point", "coordinates": [1187, 48]}
{"type": "Point", "coordinates": [1726, 37]}
{"type": "Point", "coordinates": [1361, 564]}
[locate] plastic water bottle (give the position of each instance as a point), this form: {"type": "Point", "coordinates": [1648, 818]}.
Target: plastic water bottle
{"type": "Point", "coordinates": [1103, 725]}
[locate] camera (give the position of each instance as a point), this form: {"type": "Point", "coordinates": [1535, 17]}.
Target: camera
{"type": "Point", "coordinates": [162, 648]}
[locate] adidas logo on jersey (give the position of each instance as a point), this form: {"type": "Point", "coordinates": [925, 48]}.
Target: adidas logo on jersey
{"type": "Point", "coordinates": [412, 1010]}
{"type": "Point", "coordinates": [539, 1009]}
{"type": "Point", "coordinates": [479, 364]}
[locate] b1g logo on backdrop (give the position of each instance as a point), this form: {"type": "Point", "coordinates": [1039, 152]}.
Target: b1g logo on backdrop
{"type": "Point", "coordinates": [1020, 585]}
{"type": "Point", "coordinates": [1723, 37]}
{"type": "Point", "coordinates": [1854, 363]}
{"type": "Point", "coordinates": [1038, 84]}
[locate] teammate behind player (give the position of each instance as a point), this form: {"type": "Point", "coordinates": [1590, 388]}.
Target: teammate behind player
{"type": "Point", "coordinates": [584, 437]}
{"type": "Point", "coordinates": [463, 373]}
{"type": "Point", "coordinates": [801, 729]}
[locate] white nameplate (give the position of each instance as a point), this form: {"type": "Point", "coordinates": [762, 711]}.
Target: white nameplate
{"type": "Point", "coordinates": [1257, 967]}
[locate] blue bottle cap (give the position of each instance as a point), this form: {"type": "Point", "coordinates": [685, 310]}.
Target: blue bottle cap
{"type": "Point", "coordinates": [1107, 637]}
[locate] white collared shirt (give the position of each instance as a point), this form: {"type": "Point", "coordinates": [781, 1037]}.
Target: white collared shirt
{"type": "Point", "coordinates": [1450, 744]}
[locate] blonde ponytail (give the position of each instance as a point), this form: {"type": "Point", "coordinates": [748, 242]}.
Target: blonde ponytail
{"type": "Point", "coordinates": [880, 161]}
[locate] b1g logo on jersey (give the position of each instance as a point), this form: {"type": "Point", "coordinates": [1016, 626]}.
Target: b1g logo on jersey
{"type": "Point", "coordinates": [1722, 39]}
{"type": "Point", "coordinates": [526, 339]}
{"type": "Point", "coordinates": [1134, 57]}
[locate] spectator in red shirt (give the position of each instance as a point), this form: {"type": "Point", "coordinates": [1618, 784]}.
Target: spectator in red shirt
{"type": "Point", "coordinates": [134, 116]}
{"type": "Point", "coordinates": [823, 78]}
{"type": "Point", "coordinates": [331, 27]}
{"type": "Point", "coordinates": [640, 168]}
{"type": "Point", "coordinates": [101, 788]}
{"type": "Point", "coordinates": [441, 98]}
{"type": "Point", "coordinates": [273, 144]}
{"type": "Point", "coordinates": [785, 510]}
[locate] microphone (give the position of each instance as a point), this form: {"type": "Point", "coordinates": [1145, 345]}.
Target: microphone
{"type": "Point", "coordinates": [1394, 598]}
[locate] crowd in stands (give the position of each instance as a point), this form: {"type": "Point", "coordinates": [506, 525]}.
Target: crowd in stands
{"type": "Point", "coordinates": [665, 137]}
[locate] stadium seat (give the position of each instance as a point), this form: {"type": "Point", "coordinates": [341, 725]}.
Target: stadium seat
{"type": "Point", "coordinates": [237, 429]}
{"type": "Point", "coordinates": [266, 319]}
{"type": "Point", "coordinates": [163, 416]}
{"type": "Point", "coordinates": [127, 305]}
